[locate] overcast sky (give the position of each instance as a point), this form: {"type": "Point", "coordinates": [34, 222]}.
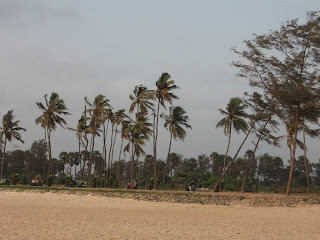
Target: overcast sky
{"type": "Point", "coordinates": [85, 48]}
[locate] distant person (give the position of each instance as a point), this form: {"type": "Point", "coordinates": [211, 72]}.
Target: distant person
{"type": "Point", "coordinates": [129, 185]}
{"type": "Point", "coordinates": [134, 185]}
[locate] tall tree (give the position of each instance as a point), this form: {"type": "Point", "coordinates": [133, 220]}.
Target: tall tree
{"type": "Point", "coordinates": [174, 122]}
{"type": "Point", "coordinates": [234, 118]}
{"type": "Point", "coordinates": [8, 131]}
{"type": "Point", "coordinates": [51, 116]}
{"type": "Point", "coordinates": [124, 135]}
{"type": "Point", "coordinates": [284, 64]}
{"type": "Point", "coordinates": [96, 111]}
{"type": "Point", "coordinates": [164, 94]}
{"type": "Point", "coordinates": [81, 131]}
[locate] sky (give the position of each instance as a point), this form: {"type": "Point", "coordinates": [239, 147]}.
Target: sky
{"type": "Point", "coordinates": [83, 48]}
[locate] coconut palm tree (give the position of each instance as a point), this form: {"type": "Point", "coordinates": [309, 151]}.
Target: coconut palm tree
{"type": "Point", "coordinates": [8, 131]}
{"type": "Point", "coordinates": [145, 127]}
{"type": "Point", "coordinates": [116, 119]}
{"type": "Point", "coordinates": [97, 110]}
{"type": "Point", "coordinates": [174, 122]}
{"type": "Point", "coordinates": [138, 132]}
{"type": "Point", "coordinates": [81, 132]}
{"type": "Point", "coordinates": [141, 99]}
{"type": "Point", "coordinates": [163, 93]}
{"type": "Point", "coordinates": [52, 109]}
{"type": "Point", "coordinates": [234, 114]}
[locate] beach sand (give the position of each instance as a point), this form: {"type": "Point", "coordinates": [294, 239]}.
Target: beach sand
{"type": "Point", "coordinates": [31, 215]}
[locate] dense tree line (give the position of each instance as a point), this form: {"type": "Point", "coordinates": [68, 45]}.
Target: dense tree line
{"type": "Point", "coordinates": [268, 172]}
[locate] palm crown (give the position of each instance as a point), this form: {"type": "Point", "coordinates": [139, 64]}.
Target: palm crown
{"type": "Point", "coordinates": [53, 107]}
{"type": "Point", "coordinates": [176, 121]}
{"type": "Point", "coordinates": [234, 114]}
{"type": "Point", "coordinates": [164, 88]}
{"type": "Point", "coordinates": [141, 99]}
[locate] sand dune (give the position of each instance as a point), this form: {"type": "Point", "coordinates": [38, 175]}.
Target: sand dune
{"type": "Point", "coordinates": [30, 215]}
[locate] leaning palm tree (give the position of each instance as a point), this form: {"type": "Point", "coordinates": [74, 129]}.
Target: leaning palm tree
{"type": "Point", "coordinates": [174, 122]}
{"type": "Point", "coordinates": [164, 94]}
{"type": "Point", "coordinates": [52, 109]}
{"type": "Point", "coordinates": [234, 114]}
{"type": "Point", "coordinates": [8, 131]}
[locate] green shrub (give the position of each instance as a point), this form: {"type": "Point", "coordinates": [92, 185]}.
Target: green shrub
{"type": "Point", "coordinates": [15, 178]}
{"type": "Point", "coordinates": [50, 180]}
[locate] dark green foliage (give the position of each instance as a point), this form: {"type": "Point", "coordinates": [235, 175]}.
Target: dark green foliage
{"type": "Point", "coordinates": [50, 180]}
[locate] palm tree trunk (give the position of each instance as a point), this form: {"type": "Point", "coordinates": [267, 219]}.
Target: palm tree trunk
{"type": "Point", "coordinates": [137, 164]}
{"type": "Point", "coordinates": [245, 178]}
{"type": "Point", "coordinates": [114, 142]}
{"type": "Point", "coordinates": [235, 156]}
{"type": "Point", "coordinates": [165, 166]}
{"type": "Point", "coordinates": [3, 156]}
{"type": "Point", "coordinates": [289, 186]}
{"type": "Point", "coordinates": [91, 156]}
{"type": "Point", "coordinates": [103, 165]}
{"type": "Point", "coordinates": [49, 149]}
{"type": "Point", "coordinates": [103, 150]}
{"type": "Point", "coordinates": [79, 157]}
{"type": "Point", "coordinates": [227, 151]}
{"type": "Point", "coordinates": [305, 158]}
{"type": "Point", "coordinates": [84, 159]}
{"type": "Point", "coordinates": [132, 162]}
{"type": "Point", "coordinates": [110, 149]}
{"type": "Point", "coordinates": [155, 136]}
{"type": "Point", "coordinates": [118, 172]}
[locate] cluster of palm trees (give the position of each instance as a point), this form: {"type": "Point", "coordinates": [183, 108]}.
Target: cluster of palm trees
{"type": "Point", "coordinates": [96, 120]}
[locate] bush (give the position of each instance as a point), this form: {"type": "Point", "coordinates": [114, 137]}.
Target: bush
{"type": "Point", "coordinates": [15, 178]}
{"type": "Point", "coordinates": [24, 179]}
{"type": "Point", "coordinates": [50, 180]}
{"type": "Point", "coordinates": [61, 179]}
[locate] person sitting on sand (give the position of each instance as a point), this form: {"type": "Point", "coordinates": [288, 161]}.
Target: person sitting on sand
{"type": "Point", "coordinates": [134, 185]}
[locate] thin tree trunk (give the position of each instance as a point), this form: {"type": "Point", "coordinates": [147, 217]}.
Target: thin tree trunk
{"type": "Point", "coordinates": [109, 156]}
{"type": "Point", "coordinates": [91, 156]}
{"type": "Point", "coordinates": [155, 182]}
{"type": "Point", "coordinates": [114, 142]}
{"type": "Point", "coordinates": [244, 183]}
{"type": "Point", "coordinates": [227, 151]}
{"type": "Point", "coordinates": [49, 149]}
{"type": "Point", "coordinates": [84, 159]}
{"type": "Point", "coordinates": [103, 156]}
{"type": "Point", "coordinates": [289, 186]}
{"type": "Point", "coordinates": [3, 156]}
{"type": "Point", "coordinates": [132, 162]}
{"type": "Point", "coordinates": [165, 166]}
{"type": "Point", "coordinates": [104, 162]}
{"type": "Point", "coordinates": [87, 142]}
{"type": "Point", "coordinates": [232, 161]}
{"type": "Point", "coordinates": [79, 157]}
{"type": "Point", "coordinates": [118, 172]}
{"type": "Point", "coordinates": [305, 158]}
{"type": "Point", "coordinates": [137, 165]}
{"type": "Point", "coordinates": [244, 140]}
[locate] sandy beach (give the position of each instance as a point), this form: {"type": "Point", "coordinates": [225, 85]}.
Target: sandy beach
{"type": "Point", "coordinates": [31, 215]}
